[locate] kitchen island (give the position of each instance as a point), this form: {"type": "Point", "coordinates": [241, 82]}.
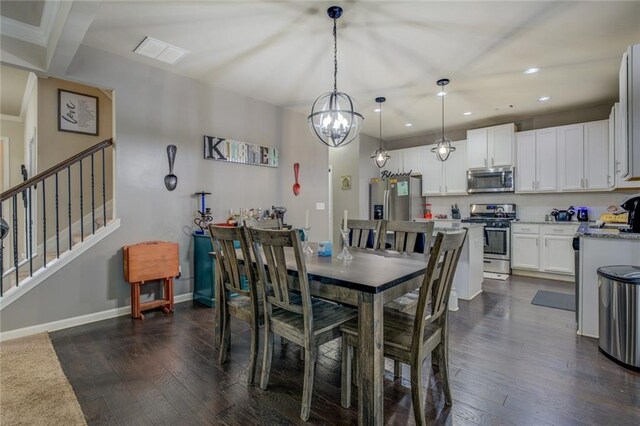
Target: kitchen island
{"type": "Point", "coordinates": [599, 247]}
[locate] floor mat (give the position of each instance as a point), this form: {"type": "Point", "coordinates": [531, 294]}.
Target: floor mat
{"type": "Point", "coordinates": [492, 276]}
{"type": "Point", "coordinates": [553, 299]}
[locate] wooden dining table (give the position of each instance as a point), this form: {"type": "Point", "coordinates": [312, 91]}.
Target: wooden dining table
{"type": "Point", "coordinates": [367, 282]}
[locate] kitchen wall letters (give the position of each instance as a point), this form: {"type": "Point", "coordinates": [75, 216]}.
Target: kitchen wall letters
{"type": "Point", "coordinates": [233, 151]}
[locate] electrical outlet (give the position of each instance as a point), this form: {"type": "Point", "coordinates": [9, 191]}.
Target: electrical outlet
{"type": "Point", "coordinates": [319, 206]}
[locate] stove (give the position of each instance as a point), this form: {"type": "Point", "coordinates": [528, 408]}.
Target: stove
{"type": "Point", "coordinates": [496, 219]}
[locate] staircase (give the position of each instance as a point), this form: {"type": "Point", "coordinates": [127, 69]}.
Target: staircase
{"type": "Point", "coordinates": [52, 218]}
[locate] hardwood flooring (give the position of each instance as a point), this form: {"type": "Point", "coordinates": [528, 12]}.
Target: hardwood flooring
{"type": "Point", "coordinates": [511, 363]}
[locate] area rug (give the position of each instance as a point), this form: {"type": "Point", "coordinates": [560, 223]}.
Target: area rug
{"type": "Point", "coordinates": [553, 299]}
{"type": "Point", "coordinates": [33, 387]}
{"type": "Point", "coordinates": [493, 276]}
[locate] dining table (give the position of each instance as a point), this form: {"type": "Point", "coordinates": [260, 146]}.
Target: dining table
{"type": "Point", "coordinates": [367, 282]}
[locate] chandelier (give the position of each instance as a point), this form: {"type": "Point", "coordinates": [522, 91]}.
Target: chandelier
{"type": "Point", "coordinates": [380, 155]}
{"type": "Point", "coordinates": [443, 147]}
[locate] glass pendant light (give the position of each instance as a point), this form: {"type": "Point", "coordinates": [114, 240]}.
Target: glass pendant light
{"type": "Point", "coordinates": [333, 117]}
{"type": "Point", "coordinates": [380, 155]}
{"type": "Point", "coordinates": [443, 148]}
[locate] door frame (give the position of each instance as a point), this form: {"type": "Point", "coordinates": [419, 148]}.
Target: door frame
{"type": "Point", "coordinates": [6, 164]}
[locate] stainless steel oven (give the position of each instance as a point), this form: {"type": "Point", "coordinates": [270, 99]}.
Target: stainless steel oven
{"type": "Point", "coordinates": [497, 179]}
{"type": "Point", "coordinates": [496, 219]}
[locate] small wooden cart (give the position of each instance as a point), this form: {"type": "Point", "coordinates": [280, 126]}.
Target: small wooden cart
{"type": "Point", "coordinates": [150, 261]}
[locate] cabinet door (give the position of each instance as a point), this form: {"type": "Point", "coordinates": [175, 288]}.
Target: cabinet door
{"type": "Point", "coordinates": [412, 160]}
{"type": "Point", "coordinates": [432, 175]}
{"type": "Point", "coordinates": [571, 157]}
{"type": "Point", "coordinates": [477, 149]}
{"type": "Point", "coordinates": [394, 164]}
{"type": "Point", "coordinates": [455, 170]}
{"type": "Point", "coordinates": [525, 251]}
{"type": "Point", "coordinates": [526, 161]}
{"type": "Point", "coordinates": [500, 145]}
{"type": "Point", "coordinates": [596, 155]}
{"type": "Point", "coordinates": [546, 160]}
{"type": "Point", "coordinates": [622, 147]}
{"type": "Point", "coordinates": [558, 254]}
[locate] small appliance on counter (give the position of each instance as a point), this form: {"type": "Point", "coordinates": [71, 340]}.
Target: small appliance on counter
{"type": "Point", "coordinates": [583, 214]}
{"type": "Point", "coordinates": [632, 205]}
{"type": "Point", "coordinates": [427, 211]}
{"type": "Point", "coordinates": [563, 215]}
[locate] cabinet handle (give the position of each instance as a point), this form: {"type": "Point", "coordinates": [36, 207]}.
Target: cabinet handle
{"type": "Point", "coordinates": [586, 183]}
{"type": "Point", "coordinates": [485, 161]}
{"type": "Point", "coordinates": [446, 188]}
{"type": "Point", "coordinates": [492, 162]}
{"type": "Point", "coordinates": [581, 183]}
{"type": "Point", "coordinates": [558, 230]}
{"type": "Point", "coordinates": [533, 184]}
{"type": "Point", "coordinates": [439, 189]}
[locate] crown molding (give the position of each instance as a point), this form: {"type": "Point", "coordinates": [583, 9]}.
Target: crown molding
{"type": "Point", "coordinates": [30, 33]}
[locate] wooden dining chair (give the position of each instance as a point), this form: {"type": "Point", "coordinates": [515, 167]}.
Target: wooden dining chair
{"type": "Point", "coordinates": [411, 338]}
{"type": "Point", "coordinates": [362, 231]}
{"type": "Point", "coordinates": [406, 234]}
{"type": "Point", "coordinates": [263, 223]}
{"type": "Point", "coordinates": [305, 321]}
{"type": "Point", "coordinates": [244, 305]}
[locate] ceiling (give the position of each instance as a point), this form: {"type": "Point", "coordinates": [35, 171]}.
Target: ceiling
{"type": "Point", "coordinates": [281, 52]}
{"type": "Point", "coordinates": [13, 83]}
{"type": "Point", "coordinates": [28, 12]}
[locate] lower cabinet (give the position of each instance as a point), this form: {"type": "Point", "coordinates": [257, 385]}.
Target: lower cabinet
{"type": "Point", "coordinates": [543, 248]}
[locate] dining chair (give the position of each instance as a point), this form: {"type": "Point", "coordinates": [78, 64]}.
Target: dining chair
{"type": "Point", "coordinates": [363, 231]}
{"type": "Point", "coordinates": [305, 321]}
{"type": "Point", "coordinates": [263, 223]}
{"type": "Point", "coordinates": [234, 299]}
{"type": "Point", "coordinates": [406, 234]}
{"type": "Point", "coordinates": [411, 338]}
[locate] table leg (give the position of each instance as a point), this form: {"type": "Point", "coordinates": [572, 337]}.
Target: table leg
{"type": "Point", "coordinates": [370, 359]}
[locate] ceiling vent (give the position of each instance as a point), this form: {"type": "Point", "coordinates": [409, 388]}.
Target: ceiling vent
{"type": "Point", "coordinates": [161, 51]}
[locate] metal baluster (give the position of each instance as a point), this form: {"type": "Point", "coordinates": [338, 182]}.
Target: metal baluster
{"type": "Point", "coordinates": [30, 235]}
{"type": "Point", "coordinates": [15, 235]}
{"type": "Point", "coordinates": [93, 200]}
{"type": "Point", "coordinates": [57, 221]}
{"type": "Point", "coordinates": [69, 205]}
{"type": "Point", "coordinates": [81, 207]}
{"type": "Point", "coordinates": [44, 226]}
{"type": "Point", "coordinates": [1, 258]}
{"type": "Point", "coordinates": [26, 217]}
{"type": "Point", "coordinates": [104, 195]}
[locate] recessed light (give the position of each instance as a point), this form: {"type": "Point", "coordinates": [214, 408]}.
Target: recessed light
{"type": "Point", "coordinates": [544, 98]}
{"type": "Point", "coordinates": [377, 110]}
{"type": "Point", "coordinates": [467, 113]}
{"type": "Point", "coordinates": [161, 51]}
{"type": "Point", "coordinates": [408, 124]}
{"type": "Point", "coordinates": [531, 70]}
{"type": "Point", "coordinates": [442, 93]}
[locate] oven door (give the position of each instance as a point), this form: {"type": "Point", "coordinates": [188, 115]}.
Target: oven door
{"type": "Point", "coordinates": [496, 243]}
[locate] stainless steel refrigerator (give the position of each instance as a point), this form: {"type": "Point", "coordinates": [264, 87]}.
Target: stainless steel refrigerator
{"type": "Point", "coordinates": [396, 198]}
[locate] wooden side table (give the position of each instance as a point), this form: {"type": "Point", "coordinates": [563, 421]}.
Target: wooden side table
{"type": "Point", "coordinates": [151, 261]}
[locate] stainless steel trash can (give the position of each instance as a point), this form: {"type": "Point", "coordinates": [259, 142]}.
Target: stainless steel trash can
{"type": "Point", "coordinates": [619, 305]}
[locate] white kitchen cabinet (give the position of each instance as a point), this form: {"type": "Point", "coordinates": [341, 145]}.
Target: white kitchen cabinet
{"type": "Point", "coordinates": [571, 157]}
{"type": "Point", "coordinates": [490, 146]}
{"type": "Point", "coordinates": [557, 254]}
{"type": "Point", "coordinates": [536, 160]}
{"type": "Point", "coordinates": [412, 160]}
{"type": "Point", "coordinates": [620, 152]}
{"type": "Point", "coordinates": [446, 178]}
{"type": "Point", "coordinates": [525, 251]}
{"type": "Point", "coordinates": [394, 164]}
{"type": "Point", "coordinates": [596, 155]}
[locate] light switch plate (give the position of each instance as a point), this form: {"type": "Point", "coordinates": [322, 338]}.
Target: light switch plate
{"type": "Point", "coordinates": [319, 206]}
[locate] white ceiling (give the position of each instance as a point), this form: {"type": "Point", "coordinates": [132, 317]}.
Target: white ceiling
{"type": "Point", "coordinates": [281, 52]}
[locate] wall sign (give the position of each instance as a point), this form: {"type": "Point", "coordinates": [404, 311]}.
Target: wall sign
{"type": "Point", "coordinates": [233, 151]}
{"type": "Point", "coordinates": [77, 113]}
{"type": "Point", "coordinates": [345, 182]}
{"type": "Point", "coordinates": [388, 174]}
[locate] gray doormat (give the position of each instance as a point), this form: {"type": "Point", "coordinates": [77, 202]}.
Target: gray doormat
{"type": "Point", "coordinates": [552, 299]}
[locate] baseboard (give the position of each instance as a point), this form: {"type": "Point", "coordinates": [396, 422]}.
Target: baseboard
{"type": "Point", "coordinates": [80, 320]}
{"type": "Point", "coordinates": [545, 275]}
{"type": "Point", "coordinates": [472, 296]}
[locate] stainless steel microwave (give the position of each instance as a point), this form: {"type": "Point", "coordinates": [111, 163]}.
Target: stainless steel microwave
{"type": "Point", "coordinates": [496, 179]}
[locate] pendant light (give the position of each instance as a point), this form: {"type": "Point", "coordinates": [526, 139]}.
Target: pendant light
{"type": "Point", "coordinates": [443, 147]}
{"type": "Point", "coordinates": [380, 155]}
{"type": "Point", "coordinates": [333, 117]}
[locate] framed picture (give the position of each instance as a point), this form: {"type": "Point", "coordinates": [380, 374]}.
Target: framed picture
{"type": "Point", "coordinates": [345, 182]}
{"type": "Point", "coordinates": [77, 113]}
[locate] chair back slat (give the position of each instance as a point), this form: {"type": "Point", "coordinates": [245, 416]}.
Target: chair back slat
{"type": "Point", "coordinates": [263, 223]}
{"type": "Point", "coordinates": [361, 231]}
{"type": "Point", "coordinates": [406, 233]}
{"type": "Point", "coordinates": [437, 282]}
{"type": "Point", "coordinates": [269, 247]}
{"type": "Point", "coordinates": [223, 239]}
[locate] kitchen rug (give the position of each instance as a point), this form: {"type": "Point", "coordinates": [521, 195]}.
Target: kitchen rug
{"type": "Point", "coordinates": [492, 276]}
{"type": "Point", "coordinates": [553, 299]}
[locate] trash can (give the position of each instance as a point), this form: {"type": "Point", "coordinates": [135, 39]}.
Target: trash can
{"type": "Point", "coordinates": [619, 304]}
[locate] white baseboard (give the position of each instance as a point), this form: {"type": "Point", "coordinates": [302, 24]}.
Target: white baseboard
{"type": "Point", "coordinates": [76, 321]}
{"type": "Point", "coordinates": [544, 275]}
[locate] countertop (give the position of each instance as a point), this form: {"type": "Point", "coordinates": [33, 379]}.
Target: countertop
{"type": "Point", "coordinates": [449, 225]}
{"type": "Point", "coordinates": [541, 222]}
{"type": "Point", "coordinates": [585, 231]}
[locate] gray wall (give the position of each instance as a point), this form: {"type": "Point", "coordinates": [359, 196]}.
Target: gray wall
{"type": "Point", "coordinates": [154, 108]}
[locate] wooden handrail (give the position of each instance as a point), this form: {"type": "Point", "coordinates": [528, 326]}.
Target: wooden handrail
{"type": "Point", "coordinates": [55, 169]}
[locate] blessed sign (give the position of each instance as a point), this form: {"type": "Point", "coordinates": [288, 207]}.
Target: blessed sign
{"type": "Point", "coordinates": [233, 151]}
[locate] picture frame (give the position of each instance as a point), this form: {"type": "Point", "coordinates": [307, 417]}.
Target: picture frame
{"type": "Point", "coordinates": [345, 182]}
{"type": "Point", "coordinates": [78, 113]}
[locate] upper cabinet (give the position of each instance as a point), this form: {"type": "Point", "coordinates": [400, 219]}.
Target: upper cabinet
{"type": "Point", "coordinates": [618, 151]}
{"type": "Point", "coordinates": [412, 160]}
{"type": "Point", "coordinates": [490, 146]}
{"type": "Point", "coordinates": [583, 157]}
{"type": "Point", "coordinates": [536, 161]}
{"type": "Point", "coordinates": [448, 177]}
{"type": "Point", "coordinates": [628, 154]}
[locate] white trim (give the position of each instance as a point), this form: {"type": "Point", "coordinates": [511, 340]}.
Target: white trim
{"type": "Point", "coordinates": [30, 33]}
{"type": "Point", "coordinates": [80, 320]}
{"type": "Point", "coordinates": [32, 80]}
{"type": "Point", "coordinates": [6, 163]}
{"type": "Point", "coordinates": [55, 265]}
{"type": "Point", "coordinates": [11, 118]}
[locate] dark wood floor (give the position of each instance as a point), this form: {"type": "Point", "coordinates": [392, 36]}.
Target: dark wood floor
{"type": "Point", "coordinates": [512, 363]}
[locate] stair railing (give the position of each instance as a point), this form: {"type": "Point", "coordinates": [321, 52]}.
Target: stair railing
{"type": "Point", "coordinates": [30, 186]}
